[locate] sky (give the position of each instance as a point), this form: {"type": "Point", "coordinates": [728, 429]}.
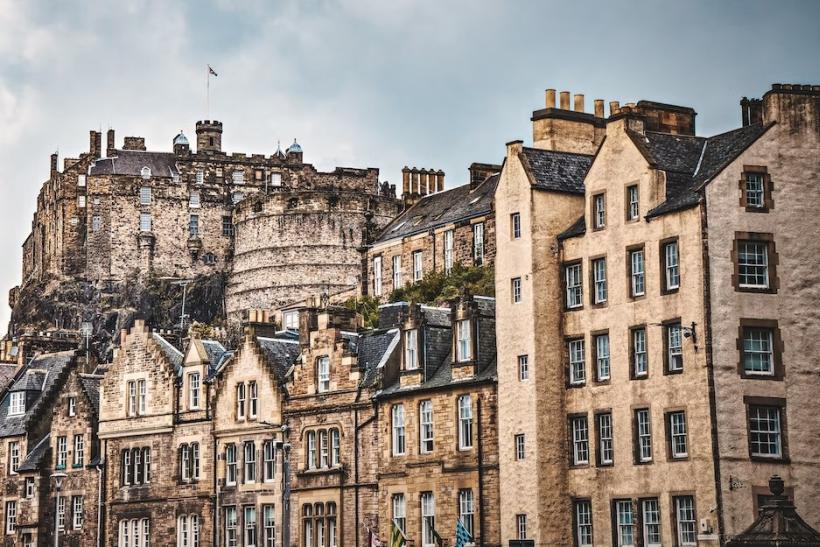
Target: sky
{"type": "Point", "coordinates": [365, 83]}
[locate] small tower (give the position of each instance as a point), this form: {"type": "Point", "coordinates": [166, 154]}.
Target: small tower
{"type": "Point", "coordinates": [181, 146]}
{"type": "Point", "coordinates": [294, 152]}
{"type": "Point", "coordinates": [208, 136]}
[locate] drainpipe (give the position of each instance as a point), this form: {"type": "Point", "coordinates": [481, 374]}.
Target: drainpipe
{"type": "Point", "coordinates": [216, 495]}
{"type": "Point", "coordinates": [480, 456]}
{"type": "Point", "coordinates": [356, 467]}
{"type": "Point", "coordinates": [286, 488]}
{"type": "Point", "coordinates": [99, 504]}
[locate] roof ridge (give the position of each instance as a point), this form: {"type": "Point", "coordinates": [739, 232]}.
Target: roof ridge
{"type": "Point", "coordinates": [557, 151]}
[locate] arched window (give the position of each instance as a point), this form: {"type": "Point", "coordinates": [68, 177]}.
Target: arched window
{"type": "Point", "coordinates": [136, 458]}
{"type": "Point", "coordinates": [311, 450]}
{"type": "Point", "coordinates": [323, 449]}
{"type": "Point", "coordinates": [307, 526]}
{"type": "Point", "coordinates": [145, 172]}
{"type": "Point", "coordinates": [335, 447]}
{"type": "Point", "coordinates": [146, 464]}
{"type": "Point", "coordinates": [126, 468]}
{"type": "Point", "coordinates": [188, 531]}
{"type": "Point", "coordinates": [320, 525]}
{"type": "Point", "coordinates": [331, 524]}
{"type": "Point", "coordinates": [184, 463]}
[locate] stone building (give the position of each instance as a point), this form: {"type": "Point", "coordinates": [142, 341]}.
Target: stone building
{"type": "Point", "coordinates": [659, 368]}
{"type": "Point", "coordinates": [437, 230]}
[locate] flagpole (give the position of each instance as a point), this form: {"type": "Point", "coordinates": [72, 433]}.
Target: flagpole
{"type": "Point", "coordinates": [207, 92]}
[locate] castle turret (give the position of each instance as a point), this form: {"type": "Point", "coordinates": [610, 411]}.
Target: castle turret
{"type": "Point", "coordinates": [181, 145]}
{"type": "Point", "coordinates": [208, 136]}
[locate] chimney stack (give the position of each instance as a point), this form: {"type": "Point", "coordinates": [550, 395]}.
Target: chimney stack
{"type": "Point", "coordinates": [550, 98]}
{"type": "Point", "coordinates": [579, 102]}
{"type": "Point", "coordinates": [614, 107]}
{"type": "Point", "coordinates": [564, 100]}
{"type": "Point", "coordinates": [53, 168]}
{"type": "Point", "coordinates": [599, 108]}
{"type": "Point", "coordinates": [95, 144]}
{"type": "Point", "coordinates": [110, 144]}
{"type": "Point", "coordinates": [134, 143]}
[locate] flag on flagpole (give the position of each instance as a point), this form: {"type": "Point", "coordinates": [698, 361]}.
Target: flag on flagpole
{"type": "Point", "coordinates": [397, 537]}
{"type": "Point", "coordinates": [463, 537]}
{"type": "Point", "coordinates": [437, 538]}
{"type": "Point", "coordinates": [212, 71]}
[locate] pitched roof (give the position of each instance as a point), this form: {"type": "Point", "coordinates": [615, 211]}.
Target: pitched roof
{"type": "Point", "coordinates": [173, 355]}
{"type": "Point", "coordinates": [35, 455]}
{"type": "Point", "coordinates": [280, 354]}
{"type": "Point", "coordinates": [52, 367]}
{"type": "Point", "coordinates": [7, 372]}
{"type": "Point", "coordinates": [721, 150]}
{"type": "Point", "coordinates": [131, 162]}
{"type": "Point", "coordinates": [557, 171]}
{"type": "Point", "coordinates": [374, 348]}
{"type": "Point", "coordinates": [578, 228]}
{"type": "Point", "coordinates": [432, 210]}
{"type": "Point", "coordinates": [91, 386]}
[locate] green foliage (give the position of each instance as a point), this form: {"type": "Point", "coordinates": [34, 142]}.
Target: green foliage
{"type": "Point", "coordinates": [367, 306]}
{"type": "Point", "coordinates": [436, 288]}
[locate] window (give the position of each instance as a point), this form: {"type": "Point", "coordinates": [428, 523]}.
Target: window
{"type": "Point", "coordinates": [81, 180]}
{"type": "Point", "coordinates": [753, 264]}
{"type": "Point", "coordinates": [397, 272]}
{"type": "Point", "coordinates": [632, 201]}
{"type": "Point", "coordinates": [146, 464]}
{"type": "Point", "coordinates": [602, 357]}
{"type": "Point", "coordinates": [599, 292]}
{"type": "Point", "coordinates": [521, 526]}
{"type": "Point", "coordinates": [417, 266]}
{"type": "Point", "coordinates": [520, 446]}
{"type": "Point", "coordinates": [193, 199]}
{"type": "Point", "coordinates": [765, 431]}
{"type": "Point", "coordinates": [426, 427]}
{"type": "Point", "coordinates": [577, 366]}
{"type": "Point", "coordinates": [428, 519]}
{"type": "Point", "coordinates": [758, 351]}
{"type": "Point", "coordinates": [677, 435]}
{"type": "Point", "coordinates": [14, 457]}
{"type": "Point", "coordinates": [269, 525]}
{"type": "Point", "coordinates": [236, 197]}
{"type": "Point", "coordinates": [671, 267]}
{"type": "Point", "coordinates": [515, 225]}
{"type": "Point", "coordinates": [61, 512]}
{"type": "Point", "coordinates": [411, 346]}
{"type": "Point", "coordinates": [685, 520]}
{"type": "Point", "coordinates": [448, 251]}
{"type": "Point", "coordinates": [269, 461]}
{"type": "Point", "coordinates": [478, 243]}
{"type": "Point", "coordinates": [575, 290]}
{"type": "Point", "coordinates": [580, 440]}
{"type": "Point", "coordinates": [307, 513]}
{"type": "Point", "coordinates": [606, 455]}
{"type": "Point", "coordinates": [227, 227]}
{"type": "Point", "coordinates": [135, 466]}
{"type": "Point", "coordinates": [79, 451]}
{"type": "Point", "coordinates": [465, 422]}
{"type": "Point", "coordinates": [250, 526]}
{"type": "Point", "coordinates": [135, 532]}
{"type": "Point", "coordinates": [72, 406]}
{"type": "Point", "coordinates": [193, 385]}
{"type": "Point", "coordinates": [583, 523]}
{"type": "Point", "coordinates": [466, 509]}
{"type": "Point", "coordinates": [125, 468]}
{"type": "Point", "coordinates": [81, 201]}
{"type": "Point", "coordinates": [145, 222]}
{"type": "Point", "coordinates": [11, 517]}
{"type": "Point", "coordinates": [230, 464]}
{"type": "Point", "coordinates": [253, 390]}
{"type": "Point", "coordinates": [399, 446]}
{"type": "Point", "coordinates": [188, 531]}
{"type": "Point", "coordinates": [674, 347]}
{"type": "Point", "coordinates": [96, 223]}
{"type": "Point", "coordinates": [250, 462]}
{"type": "Point", "coordinates": [400, 512]}
{"type": "Point", "coordinates": [640, 365]}
{"type": "Point", "coordinates": [290, 320]}
{"type": "Point", "coordinates": [193, 226]}
{"type": "Point", "coordinates": [651, 522]}
{"type": "Point", "coordinates": [230, 526]}
{"type": "Point", "coordinates": [523, 368]}
{"type": "Point", "coordinates": [516, 290]}
{"type": "Point", "coordinates": [324, 454]}
{"type": "Point", "coordinates": [636, 273]}
{"type": "Point", "coordinates": [643, 430]}
{"type": "Point", "coordinates": [323, 375]}
{"type": "Point", "coordinates": [464, 339]}
{"type": "Point", "coordinates": [335, 447]}
{"type": "Point", "coordinates": [200, 177]}
{"type": "Point", "coordinates": [62, 452]}
{"type": "Point", "coordinates": [238, 177]}
{"type": "Point", "coordinates": [17, 403]}
{"type": "Point", "coordinates": [185, 462]}
{"type": "Point", "coordinates": [755, 190]}
{"type": "Point", "coordinates": [145, 195]}
{"type": "Point", "coordinates": [29, 487]}
{"type": "Point", "coordinates": [240, 401]}
{"type": "Point", "coordinates": [320, 524]}
{"type": "Point", "coordinates": [77, 512]}
{"type": "Point", "coordinates": [625, 523]}
{"type": "Point", "coordinates": [143, 395]}
{"type": "Point", "coordinates": [311, 449]}
{"type": "Point", "coordinates": [276, 179]}
{"type": "Point", "coordinates": [377, 276]}
{"type": "Point", "coordinates": [599, 211]}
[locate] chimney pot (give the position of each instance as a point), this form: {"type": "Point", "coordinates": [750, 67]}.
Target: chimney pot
{"type": "Point", "coordinates": [579, 102]}
{"type": "Point", "coordinates": [614, 107]}
{"type": "Point", "coordinates": [550, 98]}
{"type": "Point", "coordinates": [599, 108]}
{"type": "Point", "coordinates": [564, 100]}
{"type": "Point", "coordinates": [110, 144]}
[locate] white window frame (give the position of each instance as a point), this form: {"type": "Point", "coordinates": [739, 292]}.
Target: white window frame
{"type": "Point", "coordinates": [625, 522]}
{"type": "Point", "coordinates": [521, 526]}
{"type": "Point", "coordinates": [231, 464]}
{"type": "Point", "coordinates": [633, 195]}
{"type": "Point", "coordinates": [146, 195]}
{"type": "Point", "coordinates": [61, 512]}
{"type": "Point", "coordinates": [29, 487]}
{"type": "Point", "coordinates": [145, 222]}
{"type": "Point", "coordinates": [324, 449]}
{"type": "Point", "coordinates": [311, 450]}
{"type": "Point", "coordinates": [72, 406]}
{"type": "Point", "coordinates": [637, 272]}
{"type": "Point", "coordinates": [576, 350]}
{"type": "Point", "coordinates": [465, 422]}
{"type": "Point", "coordinates": [580, 440]}
{"type": "Point", "coordinates": [335, 447]}
{"type": "Point", "coordinates": [651, 518]}
{"type": "Point", "coordinates": [14, 457]}
{"type": "Point", "coordinates": [240, 400]}
{"type": "Point", "coordinates": [605, 438]}
{"type": "Point", "coordinates": [238, 177]}
{"type": "Point", "coordinates": [520, 446]}
{"type": "Point", "coordinates": [599, 280]}
{"type": "Point", "coordinates": [194, 390]}
{"type": "Point", "coordinates": [81, 202]}
{"type": "Point", "coordinates": [377, 276]}
{"type": "Point", "coordinates": [464, 341]}
{"type": "Point", "coordinates": [599, 211]}
{"type": "Point", "coordinates": [11, 516]}
{"type": "Point", "coordinates": [269, 463]}
{"type": "Point", "coordinates": [674, 343]}
{"type": "Point", "coordinates": [428, 519]}
{"type": "Point", "coordinates": [323, 374]}
{"type": "Point", "coordinates": [249, 468]}
{"type": "Point", "coordinates": [399, 511]}
{"type": "Point", "coordinates": [478, 243]}
{"type": "Point", "coordinates": [671, 263]}
{"type": "Point", "coordinates": [466, 509]}
{"type": "Point", "coordinates": [753, 264]}
{"type": "Point", "coordinates": [268, 525]}
{"type": "Point", "coordinates": [449, 237]}
{"type": "Point", "coordinates": [276, 179]}
{"type": "Point", "coordinates": [77, 512]}
{"type": "Point", "coordinates": [755, 190]}
{"type": "Point", "coordinates": [583, 523]}
{"type": "Point", "coordinates": [686, 521]}
{"type": "Point", "coordinates": [397, 284]}
{"type": "Point", "coordinates": [426, 442]}
{"type": "Point", "coordinates": [411, 349]}
{"type": "Point", "coordinates": [679, 446]}
{"type": "Point", "coordinates": [194, 199]}
{"type": "Point", "coordinates": [398, 429]}
{"type": "Point", "coordinates": [81, 180]}
{"type": "Point", "coordinates": [230, 526]}
{"type": "Point", "coordinates": [253, 399]}
{"type": "Point", "coordinates": [602, 359]}
{"type": "Point", "coordinates": [17, 403]}
{"type": "Point", "coordinates": [643, 419]}
{"type": "Point", "coordinates": [62, 452]}
{"type": "Point", "coordinates": [200, 177]}
{"type": "Point", "coordinates": [79, 451]}
{"type": "Point", "coordinates": [516, 290]}
{"type": "Point", "coordinates": [418, 266]}
{"type": "Point", "coordinates": [758, 351]}
{"type": "Point", "coordinates": [249, 520]}
{"type": "Point", "coordinates": [639, 354]}
{"type": "Point", "coordinates": [142, 397]}
{"type": "Point", "coordinates": [515, 225]}
{"type": "Point", "coordinates": [523, 368]}
{"type": "Point", "coordinates": [766, 429]}
{"type": "Point", "coordinates": [574, 285]}
{"type": "Point", "coordinates": [193, 226]}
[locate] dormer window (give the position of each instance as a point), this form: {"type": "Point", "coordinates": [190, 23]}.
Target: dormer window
{"type": "Point", "coordinates": [464, 341]}
{"type": "Point", "coordinates": [323, 374]}
{"type": "Point", "coordinates": [17, 403]}
{"type": "Point", "coordinates": [411, 347]}
{"type": "Point", "coordinates": [193, 390]}
{"type": "Point", "coordinates": [145, 172]}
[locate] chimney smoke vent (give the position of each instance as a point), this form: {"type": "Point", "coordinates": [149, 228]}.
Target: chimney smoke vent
{"type": "Point", "coordinates": [564, 100]}
{"type": "Point", "coordinates": [579, 102]}
{"type": "Point", "coordinates": [599, 108]}
{"type": "Point", "coordinates": [550, 98]}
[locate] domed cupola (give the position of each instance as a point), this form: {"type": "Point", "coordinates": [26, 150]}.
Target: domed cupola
{"type": "Point", "coordinates": [181, 144]}
{"type": "Point", "coordinates": [294, 152]}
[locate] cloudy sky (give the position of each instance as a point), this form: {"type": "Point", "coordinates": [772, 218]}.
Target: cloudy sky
{"type": "Point", "coordinates": [365, 82]}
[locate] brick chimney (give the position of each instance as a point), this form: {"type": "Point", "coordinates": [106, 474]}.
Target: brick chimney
{"type": "Point", "coordinates": [53, 168]}
{"type": "Point", "coordinates": [479, 172]}
{"type": "Point", "coordinates": [95, 144]}
{"type": "Point", "coordinates": [134, 143]}
{"type": "Point", "coordinates": [568, 128]}
{"type": "Point", "coordinates": [110, 146]}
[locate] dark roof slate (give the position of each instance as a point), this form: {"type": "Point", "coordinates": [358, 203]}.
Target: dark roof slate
{"type": "Point", "coordinates": [6, 374]}
{"type": "Point", "coordinates": [131, 162]}
{"type": "Point", "coordinates": [91, 386]}
{"type": "Point", "coordinates": [578, 228]}
{"type": "Point", "coordinates": [36, 455]}
{"type": "Point", "coordinates": [460, 203]}
{"type": "Point", "coordinates": [557, 171]}
{"type": "Point", "coordinates": [722, 149]}
{"type": "Point", "coordinates": [280, 354]}
{"type": "Point", "coordinates": [373, 347]}
{"type": "Point", "coordinates": [173, 355]}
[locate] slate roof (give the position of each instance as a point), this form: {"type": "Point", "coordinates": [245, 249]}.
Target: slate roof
{"type": "Point", "coordinates": [6, 374]}
{"type": "Point", "coordinates": [280, 353]}
{"type": "Point", "coordinates": [433, 210]}
{"type": "Point", "coordinates": [35, 456]}
{"type": "Point", "coordinates": [53, 365]}
{"type": "Point", "coordinates": [173, 355]}
{"type": "Point", "coordinates": [557, 171]}
{"type": "Point", "coordinates": [31, 380]}
{"type": "Point", "coordinates": [131, 162]}
{"type": "Point", "coordinates": [373, 347]}
{"type": "Point", "coordinates": [578, 228]}
{"type": "Point", "coordinates": [215, 352]}
{"type": "Point", "coordinates": [91, 386]}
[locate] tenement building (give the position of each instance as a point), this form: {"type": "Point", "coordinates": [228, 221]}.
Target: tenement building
{"type": "Point", "coordinates": [652, 292]}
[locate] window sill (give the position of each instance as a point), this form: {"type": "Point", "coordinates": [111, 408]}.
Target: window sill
{"type": "Point", "coordinates": [767, 459]}
{"type": "Point", "coordinates": [758, 377]}
{"type": "Point", "coordinates": [667, 292]}
{"type": "Point", "coordinates": [640, 377]}
{"type": "Point", "coordinates": [668, 372]}
{"type": "Point", "coordinates": [576, 385]}
{"type": "Point", "coordinates": [758, 290]}
{"type": "Point", "coordinates": [579, 465]}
